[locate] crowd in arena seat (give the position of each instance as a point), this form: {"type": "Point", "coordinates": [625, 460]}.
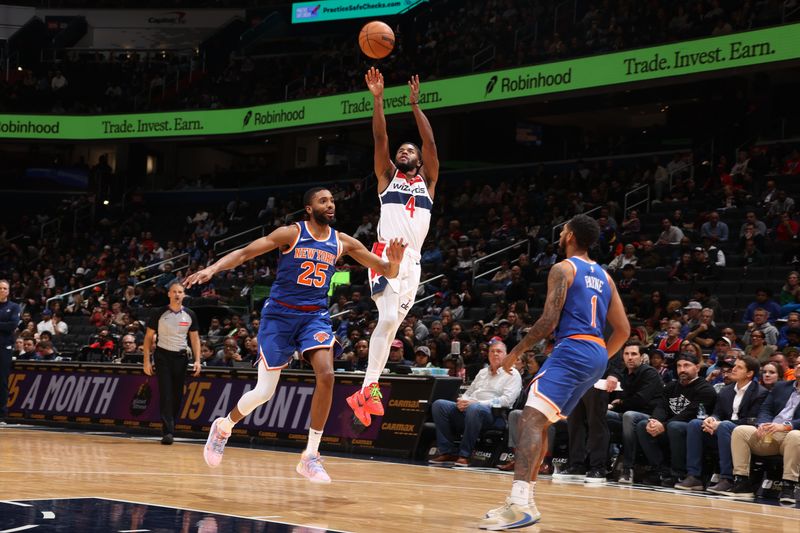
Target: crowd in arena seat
{"type": "Point", "coordinates": [435, 40]}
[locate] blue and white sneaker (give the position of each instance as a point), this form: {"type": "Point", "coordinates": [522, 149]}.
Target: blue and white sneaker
{"type": "Point", "coordinates": [215, 444]}
{"type": "Point", "coordinates": [511, 516]}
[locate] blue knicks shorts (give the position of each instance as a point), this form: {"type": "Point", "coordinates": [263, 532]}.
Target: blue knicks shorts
{"type": "Point", "coordinates": [283, 331]}
{"type": "Point", "coordinates": [571, 370]}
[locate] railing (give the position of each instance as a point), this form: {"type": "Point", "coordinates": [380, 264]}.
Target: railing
{"type": "Point", "coordinates": [557, 228]}
{"type": "Point", "coordinates": [483, 57]}
{"type": "Point", "coordinates": [245, 232]}
{"type": "Point", "coordinates": [646, 200]}
{"type": "Point", "coordinates": [65, 294]}
{"type": "Point", "coordinates": [153, 278]}
{"type": "Point", "coordinates": [144, 269]}
{"type": "Point", "coordinates": [518, 244]}
{"type": "Point", "coordinates": [293, 87]}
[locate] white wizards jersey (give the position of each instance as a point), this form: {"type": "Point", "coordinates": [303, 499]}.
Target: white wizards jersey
{"type": "Point", "coordinates": [405, 211]}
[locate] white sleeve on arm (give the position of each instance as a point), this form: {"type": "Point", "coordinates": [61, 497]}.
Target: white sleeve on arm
{"type": "Point", "coordinates": [512, 386]}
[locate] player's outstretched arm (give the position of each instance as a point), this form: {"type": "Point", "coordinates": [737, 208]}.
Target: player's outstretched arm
{"type": "Point", "coordinates": [284, 236]}
{"type": "Point", "coordinates": [383, 161]}
{"type": "Point", "coordinates": [355, 249]}
{"type": "Point", "coordinates": [430, 156]}
{"type": "Point", "coordinates": [558, 281]}
{"type": "Point", "coordinates": [618, 320]}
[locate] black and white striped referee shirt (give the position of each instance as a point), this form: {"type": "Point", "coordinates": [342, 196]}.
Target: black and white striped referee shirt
{"type": "Point", "coordinates": [173, 328]}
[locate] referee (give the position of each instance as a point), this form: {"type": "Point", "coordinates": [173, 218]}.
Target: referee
{"type": "Point", "coordinates": [9, 320]}
{"type": "Point", "coordinates": [171, 325]}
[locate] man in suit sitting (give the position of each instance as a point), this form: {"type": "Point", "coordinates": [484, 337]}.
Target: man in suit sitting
{"type": "Point", "coordinates": [778, 432]}
{"type": "Point", "coordinates": [736, 403]}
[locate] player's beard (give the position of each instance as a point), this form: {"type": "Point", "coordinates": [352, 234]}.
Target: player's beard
{"type": "Point", "coordinates": [406, 167]}
{"type": "Point", "coordinates": [321, 218]}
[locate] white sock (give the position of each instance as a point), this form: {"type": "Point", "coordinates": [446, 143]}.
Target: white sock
{"type": "Point", "coordinates": [520, 492]}
{"type": "Point", "coordinates": [314, 437]}
{"type": "Point", "coordinates": [226, 424]}
{"type": "Point", "coordinates": [532, 487]}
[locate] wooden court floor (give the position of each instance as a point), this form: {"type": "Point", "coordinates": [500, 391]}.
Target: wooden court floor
{"type": "Point", "coordinates": [365, 496]}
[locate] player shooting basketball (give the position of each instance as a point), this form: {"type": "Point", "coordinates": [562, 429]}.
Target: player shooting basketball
{"type": "Point", "coordinates": [405, 189]}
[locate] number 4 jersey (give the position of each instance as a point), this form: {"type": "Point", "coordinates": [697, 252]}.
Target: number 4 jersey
{"type": "Point", "coordinates": [305, 270]}
{"type": "Point", "coordinates": [405, 211]}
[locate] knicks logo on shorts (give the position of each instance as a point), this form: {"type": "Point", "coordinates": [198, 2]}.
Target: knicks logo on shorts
{"type": "Point", "coordinates": [321, 336]}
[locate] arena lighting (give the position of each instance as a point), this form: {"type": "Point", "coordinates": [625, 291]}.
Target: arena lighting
{"type": "Point", "coordinates": [19, 69]}
{"type": "Point", "coordinates": [105, 202]}
{"type": "Point", "coordinates": [750, 49]}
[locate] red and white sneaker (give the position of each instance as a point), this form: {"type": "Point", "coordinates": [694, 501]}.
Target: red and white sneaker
{"type": "Point", "coordinates": [310, 466]}
{"type": "Point", "coordinates": [366, 402]}
{"type": "Point", "coordinates": [215, 444]}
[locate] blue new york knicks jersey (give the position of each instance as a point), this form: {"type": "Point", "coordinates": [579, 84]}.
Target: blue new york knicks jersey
{"type": "Point", "coordinates": [587, 301]}
{"type": "Point", "coordinates": [305, 270]}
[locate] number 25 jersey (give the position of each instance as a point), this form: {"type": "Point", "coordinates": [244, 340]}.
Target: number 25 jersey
{"type": "Point", "coordinates": [305, 269]}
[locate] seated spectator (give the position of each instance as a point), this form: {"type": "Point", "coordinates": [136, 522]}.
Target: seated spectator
{"type": "Point", "coordinates": [782, 362]}
{"type": "Point", "coordinates": [229, 353]}
{"type": "Point", "coordinates": [455, 367]}
{"type": "Point", "coordinates": [44, 351]}
{"type": "Point", "coordinates": [19, 348]}
{"type": "Point", "coordinates": [787, 236]}
{"type": "Point", "coordinates": [631, 226]}
{"type": "Point", "coordinates": [472, 412]}
{"type": "Point", "coordinates": [52, 323]}
{"type": "Point", "coordinates": [763, 300]}
{"type": "Point", "coordinates": [752, 256]}
{"type": "Point", "coordinates": [670, 236]}
{"type": "Point", "coordinates": [714, 229]}
{"type": "Point", "coordinates": [422, 357]}
{"type": "Point", "coordinates": [649, 257]}
{"type": "Point", "coordinates": [737, 403]}
{"type": "Point", "coordinates": [701, 266]}
{"type": "Point", "coordinates": [706, 331]}
{"type": "Point", "coordinates": [103, 341]}
{"type": "Point", "coordinates": [760, 323]}
{"type": "Point", "coordinates": [706, 299]}
{"type": "Point", "coordinates": [777, 432]}
{"type": "Point", "coordinates": [758, 348]}
{"type": "Point", "coordinates": [682, 401]}
{"type": "Point", "coordinates": [360, 355]}
{"type": "Point", "coordinates": [396, 354]}
{"type": "Point", "coordinates": [758, 227]}
{"type": "Point", "coordinates": [792, 322]}
{"type": "Point", "coordinates": [683, 270]}
{"type": "Point", "coordinates": [130, 353]}
{"type": "Point", "coordinates": [771, 374]}
{"type": "Point", "coordinates": [207, 355]}
{"type": "Point", "coordinates": [656, 358]}
{"type": "Point", "coordinates": [670, 345]}
{"type": "Point", "coordinates": [628, 257]}
{"type": "Point", "coordinates": [781, 205]}
{"type": "Point", "coordinates": [790, 294]}
{"type": "Point", "coordinates": [627, 284]}
{"type": "Point", "coordinates": [641, 392]}
{"type": "Point", "coordinates": [690, 317]}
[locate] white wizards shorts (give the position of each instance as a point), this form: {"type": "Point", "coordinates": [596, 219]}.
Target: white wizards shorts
{"type": "Point", "coordinates": [406, 282]}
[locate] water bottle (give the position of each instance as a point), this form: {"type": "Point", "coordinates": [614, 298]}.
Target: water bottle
{"type": "Point", "coordinates": [496, 406]}
{"type": "Point", "coordinates": [455, 348]}
{"type": "Point", "coordinates": [701, 412]}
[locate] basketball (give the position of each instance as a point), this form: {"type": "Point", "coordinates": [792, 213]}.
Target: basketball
{"type": "Point", "coordinates": [376, 39]}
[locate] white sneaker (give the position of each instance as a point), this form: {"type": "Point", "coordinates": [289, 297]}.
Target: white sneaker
{"type": "Point", "coordinates": [215, 444]}
{"type": "Point", "coordinates": [310, 466]}
{"type": "Point", "coordinates": [511, 516]}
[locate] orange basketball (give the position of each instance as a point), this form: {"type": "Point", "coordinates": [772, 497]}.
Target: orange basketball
{"type": "Point", "coordinates": [376, 39]}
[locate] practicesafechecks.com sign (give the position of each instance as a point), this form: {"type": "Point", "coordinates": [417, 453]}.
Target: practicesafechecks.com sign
{"type": "Point", "coordinates": [747, 49]}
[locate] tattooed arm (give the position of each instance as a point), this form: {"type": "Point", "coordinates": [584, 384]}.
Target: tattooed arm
{"type": "Point", "coordinates": [558, 281]}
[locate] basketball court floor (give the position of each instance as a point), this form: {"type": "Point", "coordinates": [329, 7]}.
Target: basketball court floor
{"type": "Point", "coordinates": [56, 480]}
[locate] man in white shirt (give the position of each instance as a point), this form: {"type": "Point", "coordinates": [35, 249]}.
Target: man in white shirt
{"type": "Point", "coordinates": [670, 235]}
{"type": "Point", "coordinates": [472, 413]}
{"type": "Point", "coordinates": [737, 403]}
{"type": "Point", "coordinates": [51, 323]}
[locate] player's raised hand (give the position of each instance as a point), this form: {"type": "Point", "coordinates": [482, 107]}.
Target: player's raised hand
{"type": "Point", "coordinates": [395, 251]}
{"type": "Point", "coordinates": [413, 89]}
{"type": "Point", "coordinates": [374, 80]}
{"type": "Point", "coordinates": [202, 276]}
